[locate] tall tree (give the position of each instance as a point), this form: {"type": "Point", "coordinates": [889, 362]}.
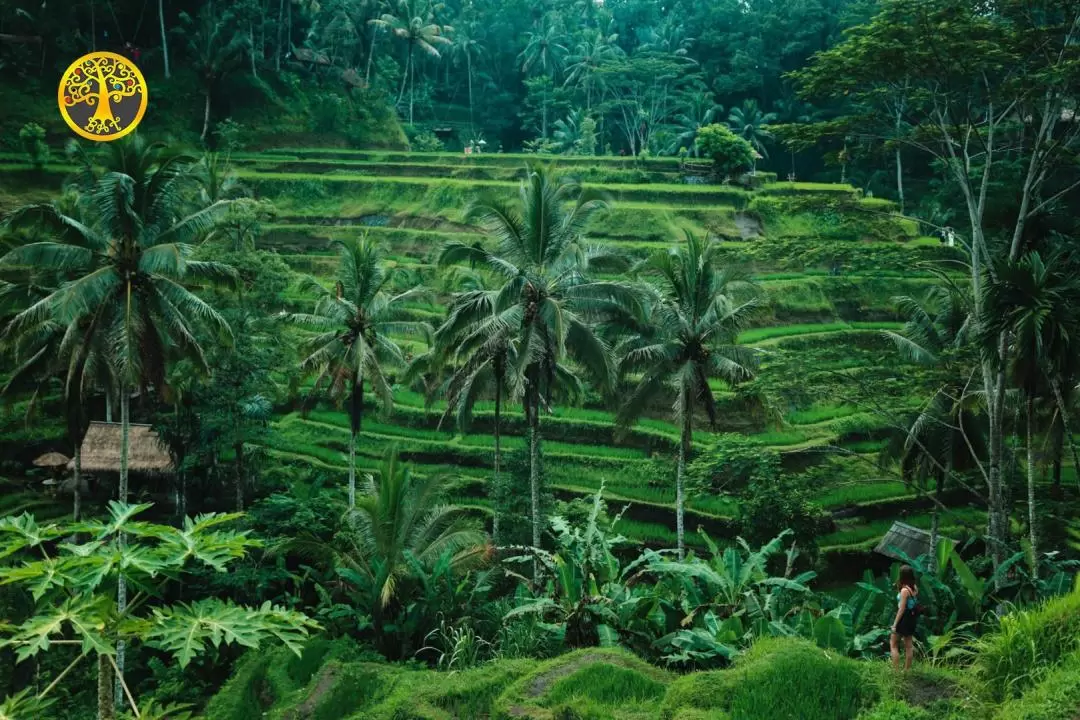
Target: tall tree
{"type": "Point", "coordinates": [545, 297]}
{"type": "Point", "coordinates": [544, 54]}
{"type": "Point", "coordinates": [418, 26]}
{"type": "Point", "coordinates": [992, 89]}
{"type": "Point", "coordinates": [354, 324]}
{"type": "Point", "coordinates": [216, 47]}
{"type": "Point", "coordinates": [1035, 304]}
{"type": "Point", "coordinates": [128, 272]}
{"type": "Point", "coordinates": [751, 124]}
{"type": "Point", "coordinates": [164, 36]}
{"type": "Point", "coordinates": [700, 110]}
{"type": "Point", "coordinates": [481, 352]}
{"type": "Point", "coordinates": [590, 54]}
{"type": "Point", "coordinates": [943, 439]}
{"type": "Point", "coordinates": [685, 336]}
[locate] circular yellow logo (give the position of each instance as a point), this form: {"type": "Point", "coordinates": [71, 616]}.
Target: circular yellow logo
{"type": "Point", "coordinates": [102, 96]}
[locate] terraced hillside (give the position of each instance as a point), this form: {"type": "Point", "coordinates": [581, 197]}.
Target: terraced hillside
{"type": "Point", "coordinates": [828, 262]}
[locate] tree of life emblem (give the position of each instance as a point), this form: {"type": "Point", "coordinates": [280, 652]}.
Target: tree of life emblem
{"type": "Point", "coordinates": [102, 96]}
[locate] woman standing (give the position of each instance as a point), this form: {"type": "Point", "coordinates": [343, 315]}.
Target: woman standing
{"type": "Point", "coordinates": [904, 624]}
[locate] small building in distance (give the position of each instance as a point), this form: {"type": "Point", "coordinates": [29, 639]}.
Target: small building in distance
{"type": "Point", "coordinates": [912, 541]}
{"type": "Point", "coordinates": [101, 450]}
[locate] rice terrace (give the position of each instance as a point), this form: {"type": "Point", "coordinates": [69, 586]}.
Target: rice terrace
{"type": "Point", "coordinates": [557, 360]}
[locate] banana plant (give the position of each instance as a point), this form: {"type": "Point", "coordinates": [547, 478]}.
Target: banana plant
{"type": "Point", "coordinates": [728, 598]}
{"type": "Point", "coordinates": [70, 571]}
{"type": "Point", "coordinates": [583, 593]}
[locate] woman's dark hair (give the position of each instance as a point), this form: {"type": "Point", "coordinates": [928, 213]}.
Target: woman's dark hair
{"type": "Point", "coordinates": [907, 578]}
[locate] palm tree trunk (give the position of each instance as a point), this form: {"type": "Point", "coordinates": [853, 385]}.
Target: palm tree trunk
{"type": "Point", "coordinates": [1032, 525]}
{"type": "Point", "coordinates": [251, 50]}
{"type": "Point", "coordinates": [404, 79]}
{"type": "Point", "coordinates": [77, 479]}
{"type": "Point", "coordinates": [534, 468]}
{"type": "Point", "coordinates": [412, 84]}
{"type": "Point", "coordinates": [900, 179]}
{"type": "Point", "coordinates": [206, 116]}
{"type": "Point", "coordinates": [498, 456]}
{"type": "Point", "coordinates": [106, 709]}
{"type": "Point", "coordinates": [164, 36]}
{"type": "Point", "coordinates": [935, 518]}
{"type": "Point", "coordinates": [544, 121]}
{"type": "Point", "coordinates": [238, 448]}
{"type": "Point", "coordinates": [121, 585]}
{"type": "Point", "coordinates": [280, 25]}
{"type": "Point", "coordinates": [356, 417]}
{"type": "Point", "coordinates": [371, 55]}
{"type": "Point", "coordinates": [352, 471]}
{"type": "Point", "coordinates": [468, 70]}
{"type": "Point", "coordinates": [680, 473]}
{"type": "Point", "coordinates": [1055, 384]}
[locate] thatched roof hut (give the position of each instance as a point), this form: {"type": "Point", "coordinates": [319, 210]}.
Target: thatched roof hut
{"type": "Point", "coordinates": [901, 536]}
{"type": "Point", "coordinates": [52, 460]}
{"type": "Point", "coordinates": [101, 450]}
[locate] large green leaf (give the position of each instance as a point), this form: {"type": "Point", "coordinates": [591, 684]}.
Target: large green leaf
{"type": "Point", "coordinates": [83, 617]}
{"type": "Point", "coordinates": [830, 633]}
{"type": "Point", "coordinates": [185, 629]}
{"type": "Point", "coordinates": [974, 586]}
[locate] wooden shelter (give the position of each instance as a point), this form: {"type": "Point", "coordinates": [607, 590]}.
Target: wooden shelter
{"type": "Point", "coordinates": [52, 460]}
{"type": "Point", "coordinates": [901, 536]}
{"type": "Point", "coordinates": [101, 450]}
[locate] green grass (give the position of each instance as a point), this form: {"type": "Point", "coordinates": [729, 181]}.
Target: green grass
{"type": "Point", "coordinates": [855, 493]}
{"type": "Point", "coordinates": [779, 678]}
{"type": "Point", "coordinates": [858, 532]}
{"type": "Point", "coordinates": [1028, 645]}
{"type": "Point", "coordinates": [756, 335]}
{"type": "Point", "coordinates": [818, 413]}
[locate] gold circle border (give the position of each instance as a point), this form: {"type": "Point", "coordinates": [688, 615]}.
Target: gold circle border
{"type": "Point", "coordinates": [138, 116]}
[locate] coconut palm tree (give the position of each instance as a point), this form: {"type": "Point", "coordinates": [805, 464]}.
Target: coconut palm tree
{"type": "Point", "coordinates": [1035, 303]}
{"type": "Point", "coordinates": [353, 323]}
{"type": "Point", "coordinates": [466, 49]}
{"type": "Point", "coordinates": [420, 29]}
{"type": "Point", "coordinates": [751, 124]}
{"type": "Point", "coordinates": [546, 299]}
{"type": "Point", "coordinates": [700, 110]}
{"type": "Point", "coordinates": [544, 54]}
{"type": "Point", "coordinates": [595, 49]}
{"type": "Point", "coordinates": [685, 336]}
{"type": "Point", "coordinates": [481, 355]}
{"type": "Point", "coordinates": [215, 48]}
{"type": "Point", "coordinates": [402, 527]}
{"type": "Point", "coordinates": [401, 513]}
{"type": "Point", "coordinates": [568, 131]}
{"type": "Point", "coordinates": [942, 438]}
{"type": "Point", "coordinates": [125, 257]}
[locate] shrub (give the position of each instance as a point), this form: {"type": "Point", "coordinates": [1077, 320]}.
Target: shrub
{"type": "Point", "coordinates": [1028, 645]}
{"type": "Point", "coordinates": [426, 142]}
{"type": "Point", "coordinates": [778, 679]}
{"type": "Point", "coordinates": [729, 152]}
{"type": "Point", "coordinates": [32, 138]}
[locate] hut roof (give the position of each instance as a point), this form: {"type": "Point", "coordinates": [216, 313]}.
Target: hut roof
{"type": "Point", "coordinates": [101, 450]}
{"type": "Point", "coordinates": [52, 460]}
{"type": "Point", "coordinates": [901, 536]}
